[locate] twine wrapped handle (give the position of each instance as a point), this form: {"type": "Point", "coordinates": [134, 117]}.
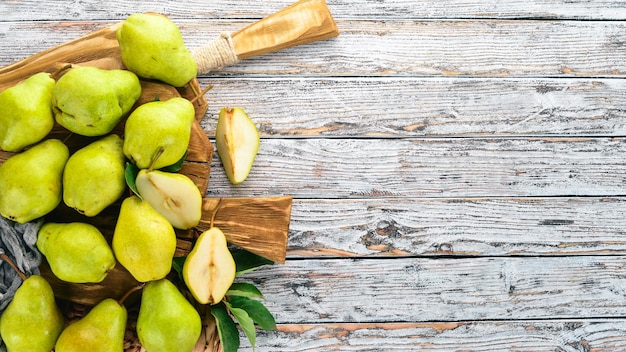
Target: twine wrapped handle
{"type": "Point", "coordinates": [303, 22]}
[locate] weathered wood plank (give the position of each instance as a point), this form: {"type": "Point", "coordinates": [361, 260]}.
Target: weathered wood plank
{"type": "Point", "coordinates": [467, 227]}
{"type": "Point", "coordinates": [115, 9]}
{"type": "Point", "coordinates": [527, 336]}
{"type": "Point", "coordinates": [404, 107]}
{"type": "Point", "coordinates": [438, 167]}
{"type": "Point", "coordinates": [381, 48]}
{"type": "Point", "coordinates": [443, 289]}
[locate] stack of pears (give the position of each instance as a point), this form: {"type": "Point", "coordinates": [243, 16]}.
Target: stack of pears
{"type": "Point", "coordinates": [43, 172]}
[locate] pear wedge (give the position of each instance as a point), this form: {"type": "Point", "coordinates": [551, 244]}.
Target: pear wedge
{"type": "Point", "coordinates": [238, 141]}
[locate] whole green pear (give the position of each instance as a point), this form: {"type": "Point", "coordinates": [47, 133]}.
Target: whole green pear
{"type": "Point", "coordinates": [32, 321]}
{"type": "Point", "coordinates": [77, 252]}
{"type": "Point", "coordinates": [31, 181]}
{"type": "Point", "coordinates": [144, 241]}
{"type": "Point", "coordinates": [91, 101]}
{"type": "Point", "coordinates": [26, 112]}
{"type": "Point", "coordinates": [173, 195]}
{"type": "Point", "coordinates": [167, 322]}
{"type": "Point", "coordinates": [158, 125]}
{"type": "Point", "coordinates": [153, 47]}
{"type": "Point", "coordinates": [93, 177]}
{"type": "Point", "coordinates": [101, 330]}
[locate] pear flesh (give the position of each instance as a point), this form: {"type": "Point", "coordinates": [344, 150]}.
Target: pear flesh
{"type": "Point", "coordinates": [167, 322]}
{"type": "Point", "coordinates": [77, 252]}
{"type": "Point", "coordinates": [209, 269]}
{"type": "Point", "coordinates": [101, 330]}
{"type": "Point", "coordinates": [237, 140]}
{"type": "Point", "coordinates": [160, 128]}
{"type": "Point", "coordinates": [93, 177]}
{"type": "Point", "coordinates": [91, 101]}
{"type": "Point", "coordinates": [31, 181]}
{"type": "Point", "coordinates": [173, 195]}
{"type": "Point", "coordinates": [152, 46]}
{"type": "Point", "coordinates": [32, 321]}
{"type": "Point", "coordinates": [144, 242]}
{"type": "Point", "coordinates": [26, 112]}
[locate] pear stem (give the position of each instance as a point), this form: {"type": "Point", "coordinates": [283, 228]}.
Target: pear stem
{"type": "Point", "coordinates": [7, 259]}
{"type": "Point", "coordinates": [198, 95]}
{"type": "Point", "coordinates": [55, 75]}
{"type": "Point", "coordinates": [155, 157]}
{"type": "Point", "coordinates": [130, 292]}
{"type": "Point", "coordinates": [214, 212]}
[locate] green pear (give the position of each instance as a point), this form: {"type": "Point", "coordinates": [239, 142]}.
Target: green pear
{"type": "Point", "coordinates": [173, 195]}
{"type": "Point", "coordinates": [93, 177]}
{"type": "Point", "coordinates": [167, 322]}
{"type": "Point", "coordinates": [209, 269]}
{"type": "Point", "coordinates": [31, 181]}
{"type": "Point", "coordinates": [101, 330]}
{"type": "Point", "coordinates": [144, 241]}
{"type": "Point", "coordinates": [91, 101]}
{"type": "Point", "coordinates": [158, 128]}
{"type": "Point", "coordinates": [32, 321]}
{"type": "Point", "coordinates": [77, 252]}
{"type": "Point", "coordinates": [153, 47]}
{"type": "Point", "coordinates": [26, 112]}
{"type": "Point", "coordinates": [237, 140]}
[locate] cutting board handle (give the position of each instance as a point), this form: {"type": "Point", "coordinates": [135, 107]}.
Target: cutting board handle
{"type": "Point", "coordinates": [303, 22]}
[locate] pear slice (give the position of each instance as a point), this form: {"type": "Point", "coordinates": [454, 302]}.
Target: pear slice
{"type": "Point", "coordinates": [173, 195]}
{"type": "Point", "coordinates": [238, 141]}
{"type": "Point", "coordinates": [209, 269]}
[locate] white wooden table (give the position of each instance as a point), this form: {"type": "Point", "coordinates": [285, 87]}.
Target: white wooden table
{"type": "Point", "coordinates": [458, 167]}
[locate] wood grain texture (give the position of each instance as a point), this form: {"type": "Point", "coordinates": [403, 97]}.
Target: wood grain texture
{"type": "Point", "coordinates": [554, 226]}
{"type": "Point", "coordinates": [437, 167]}
{"type": "Point", "coordinates": [393, 9]}
{"type": "Point", "coordinates": [443, 289]}
{"type": "Point", "coordinates": [405, 107]}
{"type": "Point", "coordinates": [492, 48]}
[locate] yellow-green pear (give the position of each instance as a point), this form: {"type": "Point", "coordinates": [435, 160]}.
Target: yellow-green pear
{"type": "Point", "coordinates": [32, 321]}
{"type": "Point", "coordinates": [93, 177]}
{"type": "Point", "coordinates": [91, 101]}
{"type": "Point", "coordinates": [31, 181]}
{"type": "Point", "coordinates": [209, 269]}
{"type": "Point", "coordinates": [173, 195]}
{"type": "Point", "coordinates": [158, 127]}
{"type": "Point", "coordinates": [101, 330]}
{"type": "Point", "coordinates": [167, 322]}
{"type": "Point", "coordinates": [144, 241]}
{"type": "Point", "coordinates": [237, 140]}
{"type": "Point", "coordinates": [77, 252]}
{"type": "Point", "coordinates": [153, 47]}
{"type": "Point", "coordinates": [26, 112]}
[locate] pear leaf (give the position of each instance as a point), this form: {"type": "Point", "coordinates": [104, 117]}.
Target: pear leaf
{"type": "Point", "coordinates": [130, 173]}
{"type": "Point", "coordinates": [248, 261]}
{"type": "Point", "coordinates": [226, 328]}
{"type": "Point", "coordinates": [245, 290]}
{"type": "Point", "coordinates": [177, 165]}
{"type": "Point", "coordinates": [256, 310]}
{"type": "Point", "coordinates": [245, 322]}
{"type": "Point", "coordinates": [177, 264]}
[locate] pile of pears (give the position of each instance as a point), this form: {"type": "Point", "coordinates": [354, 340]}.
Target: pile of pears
{"type": "Point", "coordinates": [43, 172]}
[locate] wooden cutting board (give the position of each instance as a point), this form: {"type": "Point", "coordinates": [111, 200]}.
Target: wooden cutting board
{"type": "Point", "coordinates": [259, 225]}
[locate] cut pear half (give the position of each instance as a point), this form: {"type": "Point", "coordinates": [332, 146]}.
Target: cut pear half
{"type": "Point", "coordinates": [238, 141]}
{"type": "Point", "coordinates": [209, 269]}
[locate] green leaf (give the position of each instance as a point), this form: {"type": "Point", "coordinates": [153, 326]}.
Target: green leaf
{"type": "Point", "coordinates": [244, 289]}
{"type": "Point", "coordinates": [248, 261]}
{"type": "Point", "coordinates": [246, 323]}
{"type": "Point", "coordinates": [226, 328]}
{"type": "Point", "coordinates": [256, 310]}
{"type": "Point", "coordinates": [130, 173]}
{"type": "Point", "coordinates": [176, 166]}
{"type": "Point", "coordinates": [177, 264]}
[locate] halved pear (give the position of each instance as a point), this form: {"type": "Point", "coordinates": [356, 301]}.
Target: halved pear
{"type": "Point", "coordinates": [209, 269]}
{"type": "Point", "coordinates": [173, 195]}
{"type": "Point", "coordinates": [238, 141]}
